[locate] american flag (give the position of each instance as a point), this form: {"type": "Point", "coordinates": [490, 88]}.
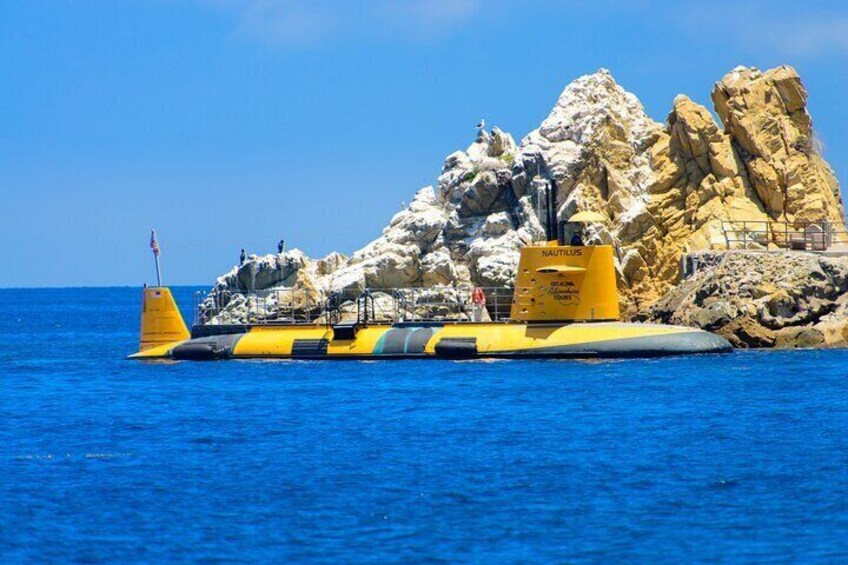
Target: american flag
{"type": "Point", "coordinates": [154, 245]}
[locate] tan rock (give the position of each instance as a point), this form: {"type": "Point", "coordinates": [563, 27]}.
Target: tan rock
{"type": "Point", "coordinates": [763, 299]}
{"type": "Point", "coordinates": [437, 268]}
{"type": "Point", "coordinates": [766, 115]}
{"type": "Point", "coordinates": [331, 263]}
{"type": "Point", "coordinates": [791, 338]}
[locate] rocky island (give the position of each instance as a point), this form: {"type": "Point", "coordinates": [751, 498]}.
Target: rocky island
{"type": "Point", "coordinates": [735, 227]}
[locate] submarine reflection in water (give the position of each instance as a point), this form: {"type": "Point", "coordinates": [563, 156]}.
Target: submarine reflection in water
{"type": "Point", "coordinates": [564, 305]}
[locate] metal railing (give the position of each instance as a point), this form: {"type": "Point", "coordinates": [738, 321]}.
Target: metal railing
{"type": "Point", "coordinates": [281, 306]}
{"type": "Point", "coordinates": [771, 235]}
{"type": "Point", "coordinates": [450, 303]}
{"type": "Point", "coordinates": [374, 305]}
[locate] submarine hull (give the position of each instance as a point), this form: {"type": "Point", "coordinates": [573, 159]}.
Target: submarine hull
{"type": "Point", "coordinates": [441, 341]}
{"type": "Point", "coordinates": [564, 305]}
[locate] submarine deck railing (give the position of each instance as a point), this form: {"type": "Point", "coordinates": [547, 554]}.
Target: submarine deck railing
{"type": "Point", "coordinates": [765, 235]}
{"type": "Point", "coordinates": [292, 306]}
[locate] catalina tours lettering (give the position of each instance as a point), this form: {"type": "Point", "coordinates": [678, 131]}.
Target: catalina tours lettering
{"type": "Point", "coordinates": [564, 292]}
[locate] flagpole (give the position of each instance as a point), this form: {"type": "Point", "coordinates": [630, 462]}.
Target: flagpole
{"type": "Point", "coordinates": [154, 245]}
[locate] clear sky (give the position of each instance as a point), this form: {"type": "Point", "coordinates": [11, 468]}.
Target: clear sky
{"type": "Point", "coordinates": [232, 123]}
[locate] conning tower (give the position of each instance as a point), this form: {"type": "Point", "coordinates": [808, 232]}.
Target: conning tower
{"type": "Point", "coordinates": [558, 283]}
{"type": "Point", "coordinates": [564, 283]}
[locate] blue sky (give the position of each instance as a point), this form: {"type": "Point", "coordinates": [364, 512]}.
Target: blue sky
{"type": "Point", "coordinates": [232, 123]}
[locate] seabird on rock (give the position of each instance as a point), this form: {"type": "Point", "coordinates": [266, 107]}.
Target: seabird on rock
{"type": "Point", "coordinates": [482, 124]}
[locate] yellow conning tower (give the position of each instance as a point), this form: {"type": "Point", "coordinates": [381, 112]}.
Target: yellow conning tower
{"type": "Point", "coordinates": [565, 284]}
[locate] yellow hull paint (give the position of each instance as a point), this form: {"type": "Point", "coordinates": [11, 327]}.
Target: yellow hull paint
{"type": "Point", "coordinates": [275, 342]}
{"type": "Point", "coordinates": [505, 338]}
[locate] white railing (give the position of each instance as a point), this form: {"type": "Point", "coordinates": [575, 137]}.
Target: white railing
{"type": "Point", "coordinates": [395, 305]}
{"type": "Point", "coordinates": [772, 235]}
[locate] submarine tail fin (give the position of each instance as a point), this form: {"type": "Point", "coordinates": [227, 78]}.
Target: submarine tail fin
{"type": "Point", "coordinates": [161, 321]}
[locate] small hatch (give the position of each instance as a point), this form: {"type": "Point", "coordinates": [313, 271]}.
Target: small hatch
{"type": "Point", "coordinates": [560, 269]}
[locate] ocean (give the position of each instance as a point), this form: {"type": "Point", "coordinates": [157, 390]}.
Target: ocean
{"type": "Point", "coordinates": [729, 459]}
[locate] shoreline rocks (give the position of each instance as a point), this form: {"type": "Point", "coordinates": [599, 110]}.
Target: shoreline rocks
{"type": "Point", "coordinates": [763, 299]}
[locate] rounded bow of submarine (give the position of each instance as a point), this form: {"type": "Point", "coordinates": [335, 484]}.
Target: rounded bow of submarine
{"type": "Point", "coordinates": [695, 341]}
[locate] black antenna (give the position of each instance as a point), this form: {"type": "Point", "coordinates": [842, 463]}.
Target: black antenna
{"type": "Point", "coordinates": [551, 227]}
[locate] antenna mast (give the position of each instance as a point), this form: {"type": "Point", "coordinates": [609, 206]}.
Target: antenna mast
{"type": "Point", "coordinates": [551, 227]}
{"type": "Point", "coordinates": [154, 246]}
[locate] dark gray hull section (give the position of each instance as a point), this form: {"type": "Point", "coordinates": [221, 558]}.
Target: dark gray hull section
{"type": "Point", "coordinates": [208, 348]}
{"type": "Point", "coordinates": [688, 343]}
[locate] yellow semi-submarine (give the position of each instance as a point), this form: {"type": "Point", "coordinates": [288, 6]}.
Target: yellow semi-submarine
{"type": "Point", "coordinates": [564, 305]}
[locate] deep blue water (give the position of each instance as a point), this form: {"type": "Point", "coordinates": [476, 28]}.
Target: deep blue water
{"type": "Point", "coordinates": [739, 458]}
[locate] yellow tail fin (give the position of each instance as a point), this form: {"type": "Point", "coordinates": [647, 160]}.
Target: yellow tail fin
{"type": "Point", "coordinates": [161, 321]}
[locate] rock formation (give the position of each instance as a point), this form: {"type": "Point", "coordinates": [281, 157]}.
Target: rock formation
{"type": "Point", "coordinates": [756, 299]}
{"type": "Point", "coordinates": [766, 114]}
{"type": "Point", "coordinates": [665, 190]}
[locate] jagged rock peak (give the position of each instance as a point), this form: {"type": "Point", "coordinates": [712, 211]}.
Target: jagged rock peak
{"type": "Point", "coordinates": [589, 103]}
{"type": "Point", "coordinates": [766, 114]}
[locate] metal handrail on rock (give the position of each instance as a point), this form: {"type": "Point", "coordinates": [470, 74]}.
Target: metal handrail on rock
{"type": "Point", "coordinates": [295, 305]}
{"type": "Point", "coordinates": [769, 235]}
